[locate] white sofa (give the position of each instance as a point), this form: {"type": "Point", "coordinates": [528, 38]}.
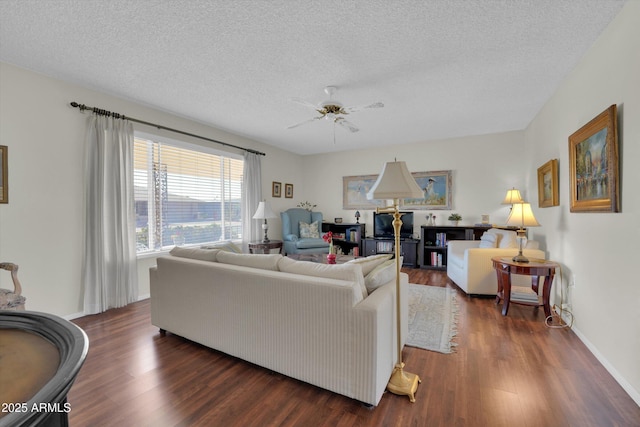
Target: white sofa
{"type": "Point", "coordinates": [329, 332]}
{"type": "Point", "coordinates": [469, 261]}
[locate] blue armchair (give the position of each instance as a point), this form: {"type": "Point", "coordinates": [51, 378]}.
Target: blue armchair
{"type": "Point", "coordinates": [293, 243]}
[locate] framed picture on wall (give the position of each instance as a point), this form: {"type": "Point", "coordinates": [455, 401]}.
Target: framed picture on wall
{"type": "Point", "coordinates": [276, 189]}
{"type": "Point", "coordinates": [548, 184]}
{"type": "Point", "coordinates": [593, 165]}
{"type": "Point", "coordinates": [437, 188]}
{"type": "Point", "coordinates": [288, 191]}
{"type": "Point", "coordinates": [354, 192]}
{"type": "Point", "coordinates": [4, 175]}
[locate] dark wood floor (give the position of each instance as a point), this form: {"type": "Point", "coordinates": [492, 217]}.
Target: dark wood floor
{"type": "Point", "coordinates": [506, 371]}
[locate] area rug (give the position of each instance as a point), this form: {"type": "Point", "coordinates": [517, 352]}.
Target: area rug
{"type": "Point", "coordinates": [432, 318]}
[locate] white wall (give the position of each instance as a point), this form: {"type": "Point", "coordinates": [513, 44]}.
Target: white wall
{"type": "Point", "coordinates": [598, 250]}
{"type": "Point", "coordinates": [41, 227]}
{"type": "Point", "coordinates": [483, 168]}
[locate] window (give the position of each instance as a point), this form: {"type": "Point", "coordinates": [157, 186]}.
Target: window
{"type": "Point", "coordinates": [184, 194]}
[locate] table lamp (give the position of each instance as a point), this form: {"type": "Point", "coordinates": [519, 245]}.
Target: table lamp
{"type": "Point", "coordinates": [513, 196]}
{"type": "Point", "coordinates": [521, 216]}
{"type": "Point", "coordinates": [264, 212]}
{"type": "Point", "coordinates": [395, 182]}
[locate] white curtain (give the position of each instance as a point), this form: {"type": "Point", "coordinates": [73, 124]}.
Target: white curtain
{"type": "Point", "coordinates": [109, 271]}
{"type": "Point", "coordinates": [252, 194]}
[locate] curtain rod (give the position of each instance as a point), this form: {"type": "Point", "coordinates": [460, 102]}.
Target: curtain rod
{"type": "Point", "coordinates": [102, 112]}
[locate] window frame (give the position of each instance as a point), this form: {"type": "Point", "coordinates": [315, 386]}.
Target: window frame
{"type": "Point", "coordinates": [185, 145]}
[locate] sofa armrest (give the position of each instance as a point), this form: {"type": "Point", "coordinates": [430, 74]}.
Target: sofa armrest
{"type": "Point", "coordinates": [290, 238]}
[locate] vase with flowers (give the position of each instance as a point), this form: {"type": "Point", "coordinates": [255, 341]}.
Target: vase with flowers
{"type": "Point", "coordinates": [331, 256]}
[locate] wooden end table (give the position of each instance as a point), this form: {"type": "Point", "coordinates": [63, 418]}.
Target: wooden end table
{"type": "Point", "coordinates": [265, 247]}
{"type": "Point", "coordinates": [537, 268]}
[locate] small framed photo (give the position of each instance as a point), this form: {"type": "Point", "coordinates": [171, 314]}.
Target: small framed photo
{"type": "Point", "coordinates": [593, 164]}
{"type": "Point", "coordinates": [4, 175]}
{"type": "Point", "coordinates": [548, 184]}
{"type": "Point", "coordinates": [288, 191]}
{"type": "Point", "coordinates": [276, 189]}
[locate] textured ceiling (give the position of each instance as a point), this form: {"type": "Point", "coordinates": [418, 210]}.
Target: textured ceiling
{"type": "Point", "coordinates": [443, 68]}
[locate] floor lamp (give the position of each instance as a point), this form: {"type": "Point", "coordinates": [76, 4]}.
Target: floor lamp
{"type": "Point", "coordinates": [395, 182]}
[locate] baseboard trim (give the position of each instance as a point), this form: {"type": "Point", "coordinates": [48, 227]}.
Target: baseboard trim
{"type": "Point", "coordinates": [82, 314]}
{"type": "Point", "coordinates": [632, 392]}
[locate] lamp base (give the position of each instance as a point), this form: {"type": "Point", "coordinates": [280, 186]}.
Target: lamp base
{"type": "Point", "coordinates": [520, 258]}
{"type": "Point", "coordinates": [403, 383]}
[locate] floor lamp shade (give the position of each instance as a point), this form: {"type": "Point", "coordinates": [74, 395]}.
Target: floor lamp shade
{"type": "Point", "coordinates": [395, 182]}
{"type": "Point", "coordinates": [264, 212]}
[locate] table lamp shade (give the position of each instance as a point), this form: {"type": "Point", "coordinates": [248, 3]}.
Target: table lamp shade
{"type": "Point", "coordinates": [513, 196]}
{"type": "Point", "coordinates": [522, 216]}
{"type": "Point", "coordinates": [395, 182]}
{"type": "Point", "coordinates": [264, 211]}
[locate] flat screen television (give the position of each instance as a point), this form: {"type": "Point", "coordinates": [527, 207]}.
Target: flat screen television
{"type": "Point", "coordinates": [383, 225]}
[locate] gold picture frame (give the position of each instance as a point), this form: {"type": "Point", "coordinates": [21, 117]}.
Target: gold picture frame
{"type": "Point", "coordinates": [288, 191]}
{"type": "Point", "coordinates": [437, 187]}
{"type": "Point", "coordinates": [276, 189]}
{"type": "Point", "coordinates": [4, 175]}
{"type": "Point", "coordinates": [593, 165]}
{"type": "Point", "coordinates": [548, 184]}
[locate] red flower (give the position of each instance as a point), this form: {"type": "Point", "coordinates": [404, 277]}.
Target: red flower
{"type": "Point", "coordinates": [327, 237]}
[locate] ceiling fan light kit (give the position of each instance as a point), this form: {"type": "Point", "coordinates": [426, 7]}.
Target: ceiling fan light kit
{"type": "Point", "coordinates": [333, 110]}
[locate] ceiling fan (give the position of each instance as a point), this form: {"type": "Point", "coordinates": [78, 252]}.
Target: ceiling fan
{"type": "Point", "coordinates": [333, 110]}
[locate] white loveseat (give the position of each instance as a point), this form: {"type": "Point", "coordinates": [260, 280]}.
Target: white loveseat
{"type": "Point", "coordinates": [469, 261]}
{"type": "Point", "coordinates": [281, 314]}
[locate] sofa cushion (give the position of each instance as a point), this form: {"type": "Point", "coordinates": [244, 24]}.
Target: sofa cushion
{"type": "Point", "coordinates": [224, 246]}
{"type": "Point", "coordinates": [381, 274]}
{"type": "Point", "coordinates": [508, 240]}
{"type": "Point", "coordinates": [309, 230]}
{"type": "Point", "coordinates": [346, 271]}
{"type": "Point", "coordinates": [261, 261]}
{"type": "Point", "coordinates": [370, 262]}
{"type": "Point", "coordinates": [488, 240]}
{"type": "Point", "coordinates": [504, 238]}
{"type": "Point", "coordinates": [308, 243]}
{"type": "Point", "coordinates": [195, 253]}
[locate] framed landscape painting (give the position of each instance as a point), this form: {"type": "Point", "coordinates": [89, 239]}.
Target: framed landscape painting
{"type": "Point", "coordinates": [593, 165]}
{"type": "Point", "coordinates": [354, 192]}
{"type": "Point", "coordinates": [548, 184]}
{"type": "Point", "coordinates": [4, 175]}
{"type": "Point", "coordinates": [436, 186]}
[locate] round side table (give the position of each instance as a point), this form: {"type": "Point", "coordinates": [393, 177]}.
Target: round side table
{"type": "Point", "coordinates": [265, 247]}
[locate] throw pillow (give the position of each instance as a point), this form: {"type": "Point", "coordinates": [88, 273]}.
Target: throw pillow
{"type": "Point", "coordinates": [380, 275]}
{"type": "Point", "coordinates": [309, 230]}
{"type": "Point", "coordinates": [261, 261]}
{"type": "Point", "coordinates": [224, 246]}
{"type": "Point", "coordinates": [508, 239]}
{"type": "Point", "coordinates": [195, 253]}
{"type": "Point", "coordinates": [370, 262]}
{"type": "Point", "coordinates": [346, 271]}
{"type": "Point", "coordinates": [488, 240]}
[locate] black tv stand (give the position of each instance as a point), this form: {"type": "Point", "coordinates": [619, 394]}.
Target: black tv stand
{"type": "Point", "coordinates": [383, 245]}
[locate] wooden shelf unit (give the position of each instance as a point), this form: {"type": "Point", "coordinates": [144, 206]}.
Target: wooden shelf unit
{"type": "Point", "coordinates": [350, 240]}
{"type": "Point", "coordinates": [433, 242]}
{"type": "Point", "coordinates": [408, 249]}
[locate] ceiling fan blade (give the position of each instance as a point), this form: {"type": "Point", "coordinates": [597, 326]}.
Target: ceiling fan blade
{"type": "Point", "coordinates": [346, 124]}
{"type": "Point", "coordinates": [302, 123]}
{"type": "Point", "coordinates": [362, 107]}
{"type": "Point", "coordinates": [304, 102]}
